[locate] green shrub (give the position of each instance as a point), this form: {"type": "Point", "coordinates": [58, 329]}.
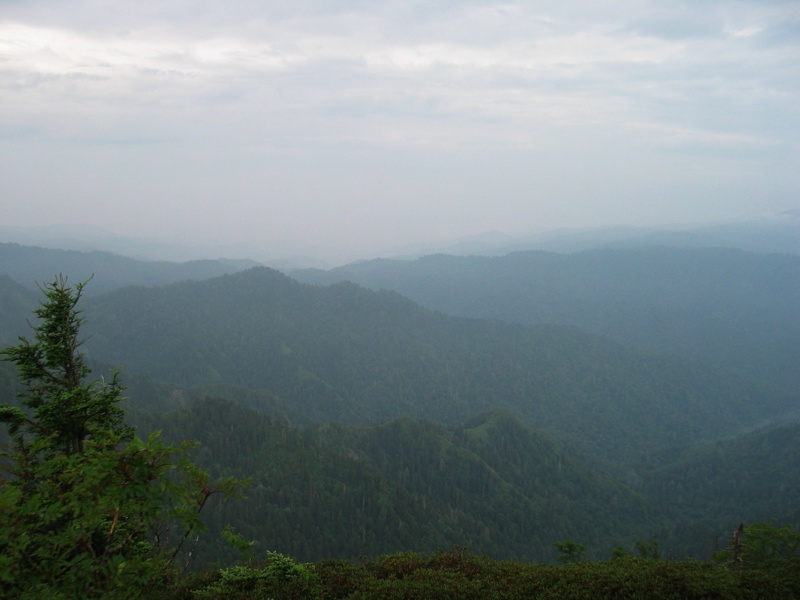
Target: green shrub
{"type": "Point", "coordinates": [279, 577]}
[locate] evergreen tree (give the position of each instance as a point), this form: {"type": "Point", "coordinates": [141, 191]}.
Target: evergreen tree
{"type": "Point", "coordinates": [86, 509]}
{"type": "Point", "coordinates": [66, 408]}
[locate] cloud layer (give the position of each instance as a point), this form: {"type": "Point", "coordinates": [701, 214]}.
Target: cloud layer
{"type": "Point", "coordinates": [349, 127]}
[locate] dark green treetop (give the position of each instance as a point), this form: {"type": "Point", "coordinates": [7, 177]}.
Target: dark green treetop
{"type": "Point", "coordinates": [66, 408]}
{"type": "Point", "coordinates": [86, 509]}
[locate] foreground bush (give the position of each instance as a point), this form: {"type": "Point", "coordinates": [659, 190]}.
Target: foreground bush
{"type": "Point", "coordinates": [458, 574]}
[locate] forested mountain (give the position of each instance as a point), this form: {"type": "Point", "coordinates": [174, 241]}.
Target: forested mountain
{"type": "Point", "coordinates": [722, 306]}
{"type": "Point", "coordinates": [491, 483]}
{"type": "Point", "coordinates": [29, 265]}
{"type": "Point", "coordinates": [347, 354]}
{"type": "Point", "coordinates": [760, 469]}
{"type": "Point", "coordinates": [757, 475]}
{"type": "Point", "coordinates": [391, 454]}
{"type": "Point", "coordinates": [16, 304]}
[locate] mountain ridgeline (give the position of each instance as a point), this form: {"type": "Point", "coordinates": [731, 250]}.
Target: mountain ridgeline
{"type": "Point", "coordinates": [29, 265]}
{"type": "Point", "coordinates": [723, 306]}
{"type": "Point", "coordinates": [346, 354]}
{"type": "Point", "coordinates": [607, 397]}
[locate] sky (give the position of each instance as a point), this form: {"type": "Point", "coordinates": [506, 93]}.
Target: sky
{"type": "Point", "coordinates": [345, 130]}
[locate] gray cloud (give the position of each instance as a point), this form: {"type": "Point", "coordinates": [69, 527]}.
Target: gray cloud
{"type": "Point", "coordinates": [394, 122]}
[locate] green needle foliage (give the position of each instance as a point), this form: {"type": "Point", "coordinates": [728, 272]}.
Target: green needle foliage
{"type": "Point", "coordinates": [66, 409]}
{"type": "Point", "coordinates": [86, 509]}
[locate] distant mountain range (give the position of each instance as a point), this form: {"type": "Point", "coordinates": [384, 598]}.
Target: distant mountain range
{"type": "Point", "coordinates": [347, 354]}
{"type": "Point", "coordinates": [32, 265]}
{"type": "Point", "coordinates": [779, 233]}
{"type": "Point", "coordinates": [736, 309]}
{"type": "Point", "coordinates": [771, 233]}
{"type": "Point", "coordinates": [344, 353]}
{"type": "Point", "coordinates": [499, 402]}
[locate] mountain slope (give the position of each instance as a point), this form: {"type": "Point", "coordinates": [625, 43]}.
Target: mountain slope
{"type": "Point", "coordinates": [29, 265]}
{"type": "Point", "coordinates": [758, 473]}
{"type": "Point", "coordinates": [729, 307]}
{"type": "Point", "coordinates": [712, 487]}
{"type": "Point", "coordinates": [349, 491]}
{"type": "Point", "coordinates": [16, 305]}
{"type": "Point", "coordinates": [347, 354]}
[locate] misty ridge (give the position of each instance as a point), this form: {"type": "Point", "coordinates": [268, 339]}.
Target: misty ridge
{"type": "Point", "coordinates": [354, 301]}
{"type": "Point", "coordinates": [626, 390]}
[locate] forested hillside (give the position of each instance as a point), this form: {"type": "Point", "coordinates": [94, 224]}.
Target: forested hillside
{"type": "Point", "coordinates": [370, 424]}
{"type": "Point", "coordinates": [347, 354]}
{"type": "Point", "coordinates": [491, 483]}
{"type": "Point", "coordinates": [716, 483]}
{"type": "Point", "coordinates": [760, 468]}
{"type": "Point", "coordinates": [16, 303]}
{"type": "Point", "coordinates": [728, 307]}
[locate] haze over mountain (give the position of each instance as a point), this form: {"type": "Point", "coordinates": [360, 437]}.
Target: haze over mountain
{"type": "Point", "coordinates": [776, 233]}
{"type": "Point", "coordinates": [733, 308]}
{"type": "Point", "coordinates": [348, 132]}
{"type": "Point", "coordinates": [355, 408]}
{"type": "Point", "coordinates": [92, 240]}
{"type": "Point", "coordinates": [31, 265]}
{"type": "Point", "coordinates": [348, 354]}
{"type": "Point", "coordinates": [495, 274]}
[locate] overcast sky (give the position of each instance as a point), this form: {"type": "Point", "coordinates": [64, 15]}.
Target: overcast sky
{"type": "Point", "coordinates": [345, 129]}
